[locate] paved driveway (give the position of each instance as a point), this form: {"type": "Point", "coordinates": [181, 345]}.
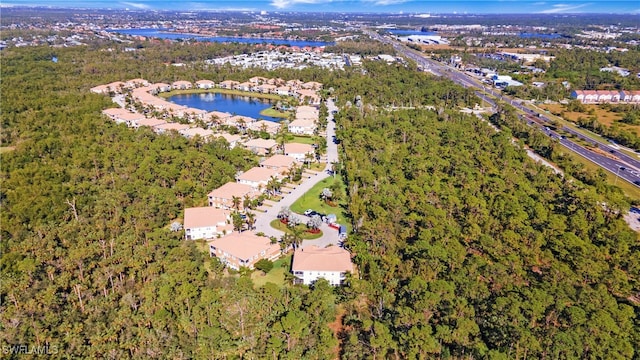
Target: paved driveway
{"type": "Point", "coordinates": [329, 235]}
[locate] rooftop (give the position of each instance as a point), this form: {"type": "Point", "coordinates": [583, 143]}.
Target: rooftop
{"type": "Point", "coordinates": [206, 216]}
{"type": "Point", "coordinates": [313, 258]}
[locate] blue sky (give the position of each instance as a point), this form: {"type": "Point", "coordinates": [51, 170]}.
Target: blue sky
{"type": "Point", "coordinates": [382, 6]}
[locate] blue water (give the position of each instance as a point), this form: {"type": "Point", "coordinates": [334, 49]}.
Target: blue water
{"type": "Point", "coordinates": [541, 36]}
{"type": "Point", "coordinates": [232, 104]}
{"type": "Point", "coordinates": [165, 34]}
{"type": "Point", "coordinates": [410, 32]}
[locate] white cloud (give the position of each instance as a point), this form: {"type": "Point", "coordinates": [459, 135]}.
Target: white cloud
{"type": "Point", "coordinates": [561, 8]}
{"type": "Point", "coordinates": [282, 4]}
{"type": "Point", "coordinates": [135, 5]}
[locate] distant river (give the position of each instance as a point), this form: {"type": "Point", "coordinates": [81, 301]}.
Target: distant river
{"type": "Point", "coordinates": [166, 34]}
{"type": "Point", "coordinates": [233, 104]}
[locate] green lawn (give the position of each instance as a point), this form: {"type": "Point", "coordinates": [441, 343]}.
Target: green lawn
{"type": "Point", "coordinates": [276, 224]}
{"type": "Point", "coordinates": [311, 200]}
{"type": "Point", "coordinates": [274, 113]}
{"type": "Point", "coordinates": [276, 275]}
{"type": "Point", "coordinates": [302, 139]}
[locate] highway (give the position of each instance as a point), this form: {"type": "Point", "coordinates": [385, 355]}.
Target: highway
{"type": "Point", "coordinates": [625, 167]}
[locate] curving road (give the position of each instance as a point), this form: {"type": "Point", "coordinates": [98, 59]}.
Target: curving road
{"type": "Point", "coordinates": [329, 235]}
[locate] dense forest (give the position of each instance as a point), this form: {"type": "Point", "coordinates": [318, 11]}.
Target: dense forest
{"type": "Point", "coordinates": [465, 248]}
{"type": "Point", "coordinates": [469, 249]}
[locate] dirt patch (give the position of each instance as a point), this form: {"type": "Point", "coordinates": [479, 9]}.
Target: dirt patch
{"type": "Point", "coordinates": [604, 153]}
{"type": "Point", "coordinates": [337, 327]}
{"type": "Point", "coordinates": [605, 117]}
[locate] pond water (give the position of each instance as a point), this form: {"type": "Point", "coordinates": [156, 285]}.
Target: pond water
{"type": "Point", "coordinates": [166, 34]}
{"type": "Point", "coordinates": [233, 104]}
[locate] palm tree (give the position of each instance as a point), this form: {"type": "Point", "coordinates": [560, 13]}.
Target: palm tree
{"type": "Point", "coordinates": [236, 202]}
{"type": "Point", "coordinates": [251, 220]}
{"type": "Point", "coordinates": [246, 202]}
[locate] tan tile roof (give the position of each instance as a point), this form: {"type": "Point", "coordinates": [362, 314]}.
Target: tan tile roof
{"type": "Point", "coordinates": [206, 216]}
{"type": "Point", "coordinates": [261, 143]}
{"type": "Point", "coordinates": [257, 174]}
{"type": "Point", "coordinates": [151, 122]}
{"type": "Point", "coordinates": [205, 133]}
{"type": "Point", "coordinates": [331, 258]}
{"type": "Point", "coordinates": [278, 161]}
{"type": "Point", "coordinates": [173, 126]}
{"type": "Point", "coordinates": [115, 112]}
{"type": "Point", "coordinates": [231, 189]}
{"type": "Point", "coordinates": [245, 245]}
{"type": "Point", "coordinates": [230, 138]}
{"type": "Point", "coordinates": [297, 148]}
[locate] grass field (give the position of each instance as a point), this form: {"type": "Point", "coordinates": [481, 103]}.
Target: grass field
{"type": "Point", "coordinates": [274, 113]}
{"type": "Point", "coordinates": [6, 149]}
{"type": "Point", "coordinates": [311, 200]}
{"type": "Point", "coordinates": [276, 224]}
{"type": "Point", "coordinates": [310, 140]}
{"type": "Point", "coordinates": [605, 117]}
{"type": "Point", "coordinates": [276, 275]}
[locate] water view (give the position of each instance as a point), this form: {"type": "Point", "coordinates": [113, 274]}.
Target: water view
{"type": "Point", "coordinates": [166, 34]}
{"type": "Point", "coordinates": [233, 104]}
{"type": "Point", "coordinates": [400, 32]}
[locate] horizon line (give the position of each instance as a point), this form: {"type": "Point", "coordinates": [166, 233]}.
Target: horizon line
{"type": "Point", "coordinates": [50, 7]}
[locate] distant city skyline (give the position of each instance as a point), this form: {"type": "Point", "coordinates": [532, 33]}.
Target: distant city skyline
{"type": "Point", "coordinates": [371, 6]}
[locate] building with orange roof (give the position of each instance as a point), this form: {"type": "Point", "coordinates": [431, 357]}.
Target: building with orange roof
{"type": "Point", "coordinates": [222, 197]}
{"type": "Point", "coordinates": [298, 151]}
{"type": "Point", "coordinates": [206, 223]}
{"type": "Point", "coordinates": [243, 250]}
{"type": "Point", "coordinates": [282, 163]}
{"type": "Point", "coordinates": [312, 263]}
{"type": "Point", "coordinates": [258, 177]}
{"type": "Point", "coordinates": [261, 146]}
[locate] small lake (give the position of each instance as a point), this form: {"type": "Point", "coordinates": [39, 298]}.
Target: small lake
{"type": "Point", "coordinates": [232, 104]}
{"type": "Point", "coordinates": [166, 34]}
{"type": "Point", "coordinates": [540, 36]}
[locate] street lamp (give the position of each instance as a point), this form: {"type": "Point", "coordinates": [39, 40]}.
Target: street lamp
{"type": "Point", "coordinates": [617, 172]}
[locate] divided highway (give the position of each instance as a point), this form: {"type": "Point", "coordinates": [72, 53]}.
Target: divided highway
{"type": "Point", "coordinates": [622, 165]}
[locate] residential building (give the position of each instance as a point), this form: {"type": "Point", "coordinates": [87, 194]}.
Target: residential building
{"type": "Point", "coordinates": [270, 127]}
{"type": "Point", "coordinates": [181, 85]}
{"type": "Point", "coordinates": [223, 196]}
{"type": "Point", "coordinates": [258, 177]}
{"type": "Point", "coordinates": [206, 223]}
{"type": "Point", "coordinates": [231, 139]}
{"type": "Point", "coordinates": [261, 146]}
{"type": "Point", "coordinates": [302, 127]}
{"type": "Point", "coordinates": [281, 163]}
{"type": "Point", "coordinates": [299, 151]}
{"type": "Point", "coordinates": [150, 122]}
{"type": "Point", "coordinates": [243, 249]}
{"type": "Point", "coordinates": [192, 132]}
{"type": "Point", "coordinates": [161, 129]}
{"type": "Point", "coordinates": [205, 84]}
{"type": "Point", "coordinates": [312, 263]}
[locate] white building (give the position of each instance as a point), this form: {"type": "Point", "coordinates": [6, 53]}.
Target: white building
{"type": "Point", "coordinates": [206, 223]}
{"type": "Point", "coordinates": [312, 263]}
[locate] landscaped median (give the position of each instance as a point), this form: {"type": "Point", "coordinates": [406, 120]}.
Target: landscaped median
{"type": "Point", "coordinates": [312, 200]}
{"type": "Point", "coordinates": [304, 233]}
